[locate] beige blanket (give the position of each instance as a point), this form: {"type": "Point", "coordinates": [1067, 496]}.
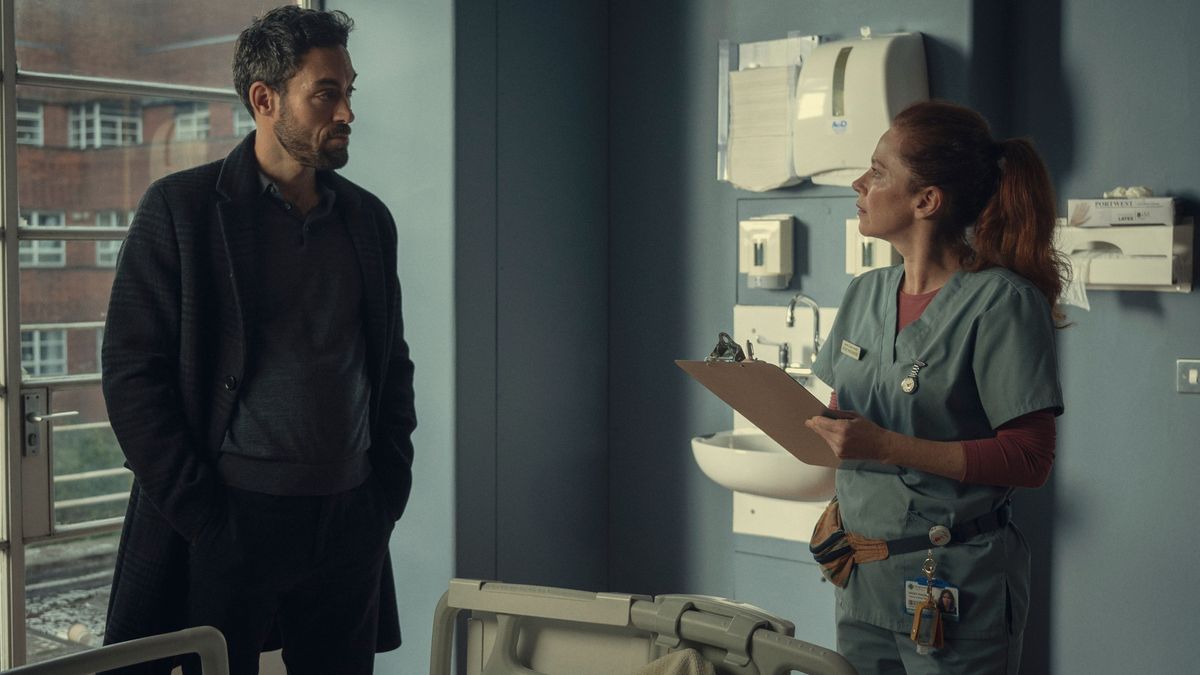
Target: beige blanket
{"type": "Point", "coordinates": [682, 662]}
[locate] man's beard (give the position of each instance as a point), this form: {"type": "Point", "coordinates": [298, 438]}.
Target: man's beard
{"type": "Point", "coordinates": [295, 141]}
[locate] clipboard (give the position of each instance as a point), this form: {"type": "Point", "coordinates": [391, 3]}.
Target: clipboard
{"type": "Point", "coordinates": [768, 397]}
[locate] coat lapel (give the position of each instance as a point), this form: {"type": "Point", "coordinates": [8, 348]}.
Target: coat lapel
{"type": "Point", "coordinates": [364, 232]}
{"type": "Point", "coordinates": [238, 185]}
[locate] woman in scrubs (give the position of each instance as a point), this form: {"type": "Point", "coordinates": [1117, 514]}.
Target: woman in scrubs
{"type": "Point", "coordinates": [946, 388]}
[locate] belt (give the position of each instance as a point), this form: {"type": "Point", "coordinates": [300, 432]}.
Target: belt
{"type": "Point", "coordinates": [988, 522]}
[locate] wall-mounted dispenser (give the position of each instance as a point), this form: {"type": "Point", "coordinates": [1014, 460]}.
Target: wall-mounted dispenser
{"type": "Point", "coordinates": [846, 97]}
{"type": "Point", "coordinates": [1130, 258]}
{"type": "Point", "coordinates": [865, 253]}
{"type": "Point", "coordinates": [798, 108]}
{"type": "Point", "coordinates": [756, 109]}
{"type": "Point", "coordinates": [765, 251]}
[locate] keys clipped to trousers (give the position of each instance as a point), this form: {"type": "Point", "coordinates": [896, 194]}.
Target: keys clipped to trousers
{"type": "Point", "coordinates": [927, 619]}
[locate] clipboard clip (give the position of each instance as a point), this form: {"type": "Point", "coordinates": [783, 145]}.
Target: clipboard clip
{"type": "Point", "coordinates": [728, 351]}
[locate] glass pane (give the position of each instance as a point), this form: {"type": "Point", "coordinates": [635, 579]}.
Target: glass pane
{"type": "Point", "coordinates": [192, 121]}
{"type": "Point", "coordinates": [147, 40]}
{"type": "Point", "coordinates": [44, 352]}
{"type": "Point", "coordinates": [42, 253]}
{"type": "Point", "coordinates": [98, 152]}
{"type": "Point", "coordinates": [30, 122]}
{"type": "Point", "coordinates": [63, 282]}
{"type": "Point", "coordinates": [63, 307]}
{"type": "Point", "coordinates": [121, 145]}
{"type": "Point", "coordinates": [66, 594]}
{"type": "Point", "coordinates": [90, 481]}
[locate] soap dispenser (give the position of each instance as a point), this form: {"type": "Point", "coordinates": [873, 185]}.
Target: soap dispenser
{"type": "Point", "coordinates": [765, 251]}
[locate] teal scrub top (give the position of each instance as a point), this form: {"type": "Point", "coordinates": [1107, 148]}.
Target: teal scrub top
{"type": "Point", "coordinates": [987, 340]}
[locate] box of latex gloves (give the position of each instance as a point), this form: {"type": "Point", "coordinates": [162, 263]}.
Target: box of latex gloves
{"type": "Point", "coordinates": [1120, 211]}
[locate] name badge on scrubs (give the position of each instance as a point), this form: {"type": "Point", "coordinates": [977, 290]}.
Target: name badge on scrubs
{"type": "Point", "coordinates": [946, 596]}
{"type": "Point", "coordinates": [852, 350]}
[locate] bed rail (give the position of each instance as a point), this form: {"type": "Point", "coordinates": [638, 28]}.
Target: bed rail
{"type": "Point", "coordinates": [204, 640]}
{"type": "Point", "coordinates": [738, 639]}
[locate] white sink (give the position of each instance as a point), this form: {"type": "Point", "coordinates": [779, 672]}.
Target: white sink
{"type": "Point", "coordinates": [747, 460]}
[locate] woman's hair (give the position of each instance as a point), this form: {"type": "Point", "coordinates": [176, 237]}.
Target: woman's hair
{"type": "Point", "coordinates": [1000, 187]}
{"type": "Point", "coordinates": [946, 593]}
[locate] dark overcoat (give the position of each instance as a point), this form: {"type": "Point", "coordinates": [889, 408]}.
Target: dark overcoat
{"type": "Point", "coordinates": [174, 354]}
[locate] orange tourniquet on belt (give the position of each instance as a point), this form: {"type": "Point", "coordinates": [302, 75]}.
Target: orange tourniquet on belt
{"type": "Point", "coordinates": [838, 551]}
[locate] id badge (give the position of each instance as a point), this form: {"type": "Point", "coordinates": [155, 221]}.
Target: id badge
{"type": "Point", "coordinates": [945, 595]}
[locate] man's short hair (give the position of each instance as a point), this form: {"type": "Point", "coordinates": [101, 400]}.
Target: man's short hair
{"type": "Point", "coordinates": [270, 48]}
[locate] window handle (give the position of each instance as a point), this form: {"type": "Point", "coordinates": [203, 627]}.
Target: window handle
{"type": "Point", "coordinates": [42, 417]}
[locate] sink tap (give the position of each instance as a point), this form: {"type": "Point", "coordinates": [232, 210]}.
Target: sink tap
{"type": "Point", "coordinates": [785, 351]}
{"type": "Point", "coordinates": [816, 312]}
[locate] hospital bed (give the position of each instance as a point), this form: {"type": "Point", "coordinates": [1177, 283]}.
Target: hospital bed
{"type": "Point", "coordinates": [533, 630]}
{"type": "Point", "coordinates": [205, 641]}
{"type": "Point", "coordinates": [514, 629]}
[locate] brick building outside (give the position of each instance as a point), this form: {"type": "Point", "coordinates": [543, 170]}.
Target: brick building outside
{"type": "Point", "coordinates": [84, 158]}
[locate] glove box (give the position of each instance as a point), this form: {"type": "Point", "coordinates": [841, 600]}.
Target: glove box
{"type": "Point", "coordinates": [1135, 257]}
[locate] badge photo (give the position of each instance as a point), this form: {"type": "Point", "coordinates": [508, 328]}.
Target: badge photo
{"type": "Point", "coordinates": [945, 595]}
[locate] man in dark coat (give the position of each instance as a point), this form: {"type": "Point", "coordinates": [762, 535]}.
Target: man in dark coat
{"type": "Point", "coordinates": [258, 381]}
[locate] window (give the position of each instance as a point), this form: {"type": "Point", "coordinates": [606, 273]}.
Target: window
{"type": "Point", "coordinates": [191, 121]}
{"type": "Point", "coordinates": [243, 121]}
{"type": "Point", "coordinates": [153, 72]}
{"type": "Point", "coordinates": [113, 219]}
{"type": "Point", "coordinates": [102, 124]}
{"type": "Point", "coordinates": [44, 352]}
{"type": "Point", "coordinates": [41, 252]}
{"type": "Point", "coordinates": [30, 123]}
{"type": "Point", "coordinates": [106, 251]}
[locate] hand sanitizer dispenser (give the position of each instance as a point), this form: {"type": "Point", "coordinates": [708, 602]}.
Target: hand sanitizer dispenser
{"type": "Point", "coordinates": [846, 97]}
{"type": "Point", "coordinates": [765, 251]}
{"type": "Point", "coordinates": [864, 253]}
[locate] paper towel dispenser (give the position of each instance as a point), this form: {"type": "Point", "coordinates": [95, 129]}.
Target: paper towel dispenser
{"type": "Point", "coordinates": [847, 94]}
{"type": "Point", "coordinates": [755, 111]}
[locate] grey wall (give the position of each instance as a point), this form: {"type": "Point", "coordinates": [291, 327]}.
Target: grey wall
{"type": "Point", "coordinates": [1111, 98]}
{"type": "Point", "coordinates": [484, 128]}
{"type": "Point", "coordinates": [531, 273]}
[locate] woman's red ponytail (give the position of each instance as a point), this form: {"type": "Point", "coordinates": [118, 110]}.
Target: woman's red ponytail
{"type": "Point", "coordinates": [1000, 188]}
{"type": "Point", "coordinates": [1016, 228]}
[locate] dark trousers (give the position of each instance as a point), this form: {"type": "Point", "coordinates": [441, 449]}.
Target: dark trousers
{"type": "Point", "coordinates": [308, 566]}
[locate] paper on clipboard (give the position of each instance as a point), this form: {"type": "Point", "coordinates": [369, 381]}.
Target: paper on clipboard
{"type": "Point", "coordinates": [768, 397]}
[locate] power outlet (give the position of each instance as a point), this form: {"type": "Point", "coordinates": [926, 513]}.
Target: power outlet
{"type": "Point", "coordinates": [1187, 376]}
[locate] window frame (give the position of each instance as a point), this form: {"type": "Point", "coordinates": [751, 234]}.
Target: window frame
{"type": "Point", "coordinates": [39, 337]}
{"type": "Point", "coordinates": [193, 121]}
{"type": "Point", "coordinates": [107, 250]}
{"type": "Point", "coordinates": [42, 253]}
{"type": "Point", "coordinates": [243, 121]}
{"type": "Point", "coordinates": [97, 124]}
{"type": "Point", "coordinates": [23, 479]}
{"type": "Point", "coordinates": [37, 118]}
